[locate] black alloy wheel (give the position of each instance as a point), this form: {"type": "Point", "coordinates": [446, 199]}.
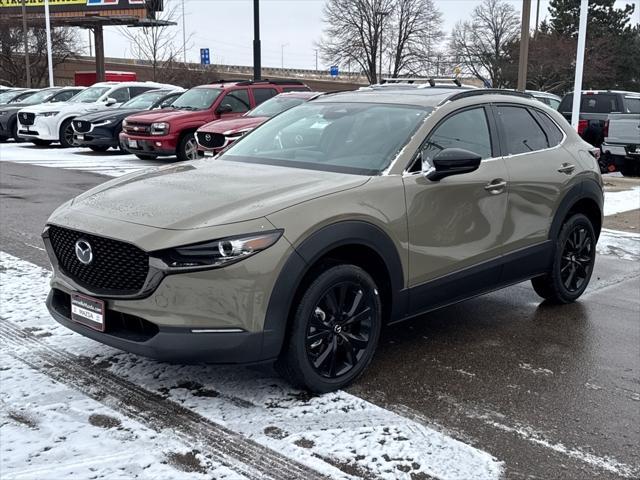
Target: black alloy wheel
{"type": "Point", "coordinates": [66, 134]}
{"type": "Point", "coordinates": [577, 259]}
{"type": "Point", "coordinates": [339, 330]}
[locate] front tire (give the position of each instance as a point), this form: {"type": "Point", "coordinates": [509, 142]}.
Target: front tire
{"type": "Point", "coordinates": [187, 148]}
{"type": "Point", "coordinates": [99, 148]}
{"type": "Point", "coordinates": [66, 134]}
{"type": "Point", "coordinates": [334, 331]}
{"type": "Point", "coordinates": [573, 262]}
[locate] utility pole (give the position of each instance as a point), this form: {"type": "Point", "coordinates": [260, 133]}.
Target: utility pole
{"type": "Point", "coordinates": [537, 16]}
{"type": "Point", "coordinates": [47, 22]}
{"type": "Point", "coordinates": [524, 45]}
{"type": "Point", "coordinates": [25, 35]}
{"type": "Point", "coordinates": [382, 15]}
{"type": "Point", "coordinates": [577, 86]}
{"type": "Point", "coordinates": [257, 67]}
{"type": "Point", "coordinates": [184, 36]}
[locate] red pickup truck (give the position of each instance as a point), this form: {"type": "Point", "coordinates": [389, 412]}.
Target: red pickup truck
{"type": "Point", "coordinates": [171, 131]}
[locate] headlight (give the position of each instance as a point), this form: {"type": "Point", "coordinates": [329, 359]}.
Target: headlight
{"type": "Point", "coordinates": [48, 114]}
{"type": "Point", "coordinates": [159, 128]}
{"type": "Point", "coordinates": [124, 123]}
{"type": "Point", "coordinates": [104, 122]}
{"type": "Point", "coordinates": [218, 253]}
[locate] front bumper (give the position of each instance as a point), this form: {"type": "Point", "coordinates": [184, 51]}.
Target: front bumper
{"type": "Point", "coordinates": [171, 344]}
{"type": "Point", "coordinates": [43, 128]}
{"type": "Point", "coordinates": [164, 146]}
{"type": "Point", "coordinates": [99, 137]}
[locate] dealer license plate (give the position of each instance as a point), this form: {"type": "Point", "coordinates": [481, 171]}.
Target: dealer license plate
{"type": "Point", "coordinates": [87, 311]}
{"type": "Point", "coordinates": [133, 143]}
{"type": "Point", "coordinates": [208, 154]}
{"type": "Point", "coordinates": [80, 137]}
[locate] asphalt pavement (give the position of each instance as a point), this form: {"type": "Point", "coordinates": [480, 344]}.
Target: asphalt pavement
{"type": "Point", "coordinates": [553, 391]}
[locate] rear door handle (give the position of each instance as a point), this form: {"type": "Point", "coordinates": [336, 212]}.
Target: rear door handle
{"type": "Point", "coordinates": [495, 187]}
{"type": "Point", "coordinates": [567, 168]}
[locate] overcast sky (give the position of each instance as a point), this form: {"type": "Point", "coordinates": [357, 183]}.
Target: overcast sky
{"type": "Point", "coordinates": [226, 28]}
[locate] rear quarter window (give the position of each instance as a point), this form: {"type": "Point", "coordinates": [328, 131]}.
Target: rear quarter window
{"type": "Point", "coordinates": [554, 134]}
{"type": "Point", "coordinates": [632, 104]}
{"type": "Point", "coordinates": [522, 132]}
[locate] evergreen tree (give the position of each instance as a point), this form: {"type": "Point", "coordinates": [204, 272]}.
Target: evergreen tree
{"type": "Point", "coordinates": [604, 18]}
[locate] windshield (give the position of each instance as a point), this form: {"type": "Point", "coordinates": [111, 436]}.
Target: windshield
{"type": "Point", "coordinates": [274, 106]}
{"type": "Point", "coordinates": [10, 95]}
{"type": "Point", "coordinates": [145, 100]}
{"type": "Point", "coordinates": [39, 97]}
{"type": "Point", "coordinates": [359, 138]}
{"type": "Point", "coordinates": [90, 95]}
{"type": "Point", "coordinates": [197, 99]}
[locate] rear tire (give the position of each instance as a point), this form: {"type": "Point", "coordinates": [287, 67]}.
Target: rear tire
{"type": "Point", "coordinates": [14, 132]}
{"type": "Point", "coordinates": [572, 264]}
{"type": "Point", "coordinates": [41, 143]}
{"type": "Point", "coordinates": [66, 134]}
{"type": "Point", "coordinates": [99, 148]}
{"type": "Point", "coordinates": [187, 148]}
{"type": "Point", "coordinates": [142, 156]}
{"type": "Point", "coordinates": [334, 332]}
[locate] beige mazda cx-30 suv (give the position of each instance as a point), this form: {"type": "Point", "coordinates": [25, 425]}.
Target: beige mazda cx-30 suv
{"type": "Point", "coordinates": [330, 220]}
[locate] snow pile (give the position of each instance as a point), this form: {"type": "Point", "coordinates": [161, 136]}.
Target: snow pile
{"type": "Point", "coordinates": [623, 201]}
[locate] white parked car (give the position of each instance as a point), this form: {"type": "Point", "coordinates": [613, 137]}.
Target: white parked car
{"type": "Point", "coordinates": [51, 122]}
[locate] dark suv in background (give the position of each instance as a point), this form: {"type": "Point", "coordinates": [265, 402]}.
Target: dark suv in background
{"type": "Point", "coordinates": [172, 131]}
{"type": "Point", "coordinates": [595, 107]}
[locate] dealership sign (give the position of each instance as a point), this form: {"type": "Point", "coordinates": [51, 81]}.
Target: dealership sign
{"type": "Point", "coordinates": [80, 6]}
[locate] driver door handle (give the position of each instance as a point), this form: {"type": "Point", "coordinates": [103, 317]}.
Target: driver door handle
{"type": "Point", "coordinates": [567, 168]}
{"type": "Point", "coordinates": [496, 187]}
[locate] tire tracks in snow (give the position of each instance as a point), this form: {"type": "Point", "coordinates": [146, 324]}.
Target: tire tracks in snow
{"type": "Point", "coordinates": [222, 445]}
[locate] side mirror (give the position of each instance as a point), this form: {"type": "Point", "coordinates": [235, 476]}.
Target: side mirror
{"type": "Point", "coordinates": [110, 101]}
{"type": "Point", "coordinates": [225, 108]}
{"type": "Point", "coordinates": [452, 161]}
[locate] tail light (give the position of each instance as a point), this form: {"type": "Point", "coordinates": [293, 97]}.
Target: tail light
{"type": "Point", "coordinates": [582, 126]}
{"type": "Point", "coordinates": [595, 153]}
{"type": "Point", "coordinates": [605, 130]}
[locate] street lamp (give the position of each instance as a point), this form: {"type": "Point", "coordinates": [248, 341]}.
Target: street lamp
{"type": "Point", "coordinates": [282, 54]}
{"type": "Point", "coordinates": [382, 15]}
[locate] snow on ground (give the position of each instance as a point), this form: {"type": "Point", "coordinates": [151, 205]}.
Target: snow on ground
{"type": "Point", "coordinates": [111, 163]}
{"type": "Point", "coordinates": [622, 201]}
{"type": "Point", "coordinates": [337, 434]}
{"type": "Point", "coordinates": [623, 245]}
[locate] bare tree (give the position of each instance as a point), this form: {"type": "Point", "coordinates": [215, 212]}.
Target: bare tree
{"type": "Point", "coordinates": [64, 44]}
{"type": "Point", "coordinates": [414, 33]}
{"type": "Point", "coordinates": [354, 32]}
{"type": "Point", "coordinates": [158, 45]}
{"type": "Point", "coordinates": [482, 44]}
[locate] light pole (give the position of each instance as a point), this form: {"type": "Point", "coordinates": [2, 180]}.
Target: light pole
{"type": "Point", "coordinates": [257, 67]}
{"type": "Point", "coordinates": [184, 36]}
{"type": "Point", "coordinates": [524, 45]}
{"type": "Point", "coordinates": [47, 22]}
{"type": "Point", "coordinates": [25, 37]}
{"type": "Point", "coordinates": [382, 15]}
{"type": "Point", "coordinates": [577, 85]}
{"type": "Point", "coordinates": [282, 54]}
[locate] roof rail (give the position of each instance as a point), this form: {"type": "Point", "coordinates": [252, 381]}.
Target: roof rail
{"type": "Point", "coordinates": [431, 80]}
{"type": "Point", "coordinates": [229, 80]}
{"type": "Point", "coordinates": [485, 91]}
{"type": "Point", "coordinates": [266, 80]}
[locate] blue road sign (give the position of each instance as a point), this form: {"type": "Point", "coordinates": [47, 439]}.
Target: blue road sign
{"type": "Point", "coordinates": [204, 56]}
{"type": "Point", "coordinates": [334, 71]}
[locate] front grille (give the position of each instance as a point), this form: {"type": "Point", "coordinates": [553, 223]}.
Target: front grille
{"type": "Point", "coordinates": [27, 118]}
{"type": "Point", "coordinates": [118, 324]}
{"type": "Point", "coordinates": [135, 128]}
{"type": "Point", "coordinates": [81, 126]}
{"type": "Point", "coordinates": [211, 140]}
{"type": "Point", "coordinates": [117, 268]}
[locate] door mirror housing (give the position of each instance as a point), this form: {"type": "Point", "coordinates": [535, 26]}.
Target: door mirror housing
{"type": "Point", "coordinates": [452, 161]}
{"type": "Point", "coordinates": [225, 108]}
{"type": "Point", "coordinates": [110, 101]}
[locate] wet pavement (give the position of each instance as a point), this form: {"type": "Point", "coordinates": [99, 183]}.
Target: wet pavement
{"type": "Point", "coordinates": [553, 391]}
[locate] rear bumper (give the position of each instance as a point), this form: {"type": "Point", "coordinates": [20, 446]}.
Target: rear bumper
{"type": "Point", "coordinates": [160, 145]}
{"type": "Point", "coordinates": [180, 345]}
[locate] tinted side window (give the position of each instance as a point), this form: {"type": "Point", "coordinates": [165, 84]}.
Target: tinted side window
{"type": "Point", "coordinates": [121, 95]}
{"type": "Point", "coordinates": [135, 91]}
{"type": "Point", "coordinates": [554, 134]}
{"type": "Point", "coordinates": [522, 132]}
{"type": "Point", "coordinates": [468, 129]}
{"type": "Point", "coordinates": [238, 100]}
{"type": "Point", "coordinates": [63, 96]}
{"type": "Point", "coordinates": [262, 94]}
{"type": "Point", "coordinates": [169, 100]}
{"type": "Point", "coordinates": [600, 103]}
{"type": "Point", "coordinates": [632, 104]}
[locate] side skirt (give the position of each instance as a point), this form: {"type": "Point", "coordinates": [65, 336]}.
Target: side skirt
{"type": "Point", "coordinates": [515, 267]}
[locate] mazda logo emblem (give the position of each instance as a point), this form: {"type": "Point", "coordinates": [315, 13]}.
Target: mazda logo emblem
{"type": "Point", "coordinates": [207, 137]}
{"type": "Point", "coordinates": [84, 252]}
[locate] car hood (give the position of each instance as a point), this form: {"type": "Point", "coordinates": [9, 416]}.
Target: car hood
{"type": "Point", "coordinates": [118, 113]}
{"type": "Point", "coordinates": [207, 193]}
{"type": "Point", "coordinates": [66, 107]}
{"type": "Point", "coordinates": [165, 115]}
{"type": "Point", "coordinates": [233, 125]}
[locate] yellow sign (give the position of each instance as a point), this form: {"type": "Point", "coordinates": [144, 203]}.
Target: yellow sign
{"type": "Point", "coordinates": [39, 3]}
